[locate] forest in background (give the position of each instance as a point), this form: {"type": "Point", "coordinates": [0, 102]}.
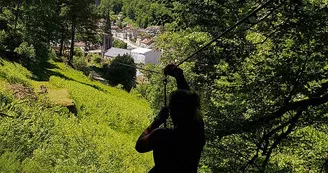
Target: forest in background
{"type": "Point", "coordinates": [263, 86]}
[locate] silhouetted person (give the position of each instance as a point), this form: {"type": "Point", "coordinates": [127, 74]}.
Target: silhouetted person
{"type": "Point", "coordinates": [176, 150]}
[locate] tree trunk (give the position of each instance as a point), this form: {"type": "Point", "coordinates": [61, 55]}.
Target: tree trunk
{"type": "Point", "coordinates": [61, 42]}
{"type": "Point", "coordinates": [11, 55]}
{"type": "Point", "coordinates": [70, 62]}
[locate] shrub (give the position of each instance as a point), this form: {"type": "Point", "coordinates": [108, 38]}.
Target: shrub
{"type": "Point", "coordinates": [96, 59]}
{"type": "Point", "coordinates": [80, 64]}
{"type": "Point", "coordinates": [118, 74]}
{"type": "Point", "coordinates": [78, 52]}
{"type": "Point", "coordinates": [120, 44]}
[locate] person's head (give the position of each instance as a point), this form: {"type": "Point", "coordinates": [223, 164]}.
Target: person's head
{"type": "Point", "coordinates": [184, 107]}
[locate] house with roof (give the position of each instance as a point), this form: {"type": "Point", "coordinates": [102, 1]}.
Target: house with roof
{"type": "Point", "coordinates": [114, 52]}
{"type": "Point", "coordinates": [139, 55]}
{"type": "Point", "coordinates": [145, 56]}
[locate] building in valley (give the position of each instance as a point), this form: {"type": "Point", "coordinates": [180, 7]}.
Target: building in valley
{"type": "Point", "coordinates": [145, 56]}
{"type": "Point", "coordinates": [114, 52]}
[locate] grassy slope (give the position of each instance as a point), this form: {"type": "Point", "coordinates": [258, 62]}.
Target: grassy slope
{"type": "Point", "coordinates": [44, 137]}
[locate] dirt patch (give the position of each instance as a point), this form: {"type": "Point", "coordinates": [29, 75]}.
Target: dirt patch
{"type": "Point", "coordinates": [22, 92]}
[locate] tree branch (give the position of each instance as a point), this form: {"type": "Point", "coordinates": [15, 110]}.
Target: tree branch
{"type": "Point", "coordinates": [259, 122]}
{"type": "Point", "coordinates": [282, 136]}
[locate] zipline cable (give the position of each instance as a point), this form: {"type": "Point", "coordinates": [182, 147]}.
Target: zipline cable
{"type": "Point", "coordinates": [226, 31]}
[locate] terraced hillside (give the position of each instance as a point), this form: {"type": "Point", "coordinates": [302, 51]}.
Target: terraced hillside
{"type": "Point", "coordinates": [68, 123]}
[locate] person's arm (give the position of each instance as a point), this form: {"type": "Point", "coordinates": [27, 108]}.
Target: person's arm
{"type": "Point", "coordinates": [181, 81]}
{"type": "Point", "coordinates": [145, 142]}
{"type": "Point", "coordinates": [177, 73]}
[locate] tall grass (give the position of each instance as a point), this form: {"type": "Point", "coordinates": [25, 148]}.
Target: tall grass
{"type": "Point", "coordinates": [40, 136]}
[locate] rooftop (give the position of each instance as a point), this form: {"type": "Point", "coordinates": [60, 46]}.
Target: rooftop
{"type": "Point", "coordinates": [147, 41]}
{"type": "Point", "coordinates": [114, 52]}
{"type": "Point", "coordinates": [141, 50]}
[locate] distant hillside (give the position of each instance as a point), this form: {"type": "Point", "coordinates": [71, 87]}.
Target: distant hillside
{"type": "Point", "coordinates": [68, 123]}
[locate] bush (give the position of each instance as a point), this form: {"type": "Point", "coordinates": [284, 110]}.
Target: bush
{"type": "Point", "coordinates": [120, 44]}
{"type": "Point", "coordinates": [79, 63]}
{"type": "Point", "coordinates": [96, 59]}
{"type": "Point", "coordinates": [118, 74]}
{"type": "Point", "coordinates": [78, 52]}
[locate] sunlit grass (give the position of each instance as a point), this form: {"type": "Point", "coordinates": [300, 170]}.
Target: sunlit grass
{"type": "Point", "coordinates": [100, 138]}
{"type": "Point", "coordinates": [60, 97]}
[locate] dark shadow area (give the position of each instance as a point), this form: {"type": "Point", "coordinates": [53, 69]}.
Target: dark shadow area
{"type": "Point", "coordinates": [43, 71]}
{"type": "Point", "coordinates": [99, 71]}
{"type": "Point", "coordinates": [52, 73]}
{"type": "Point", "coordinates": [72, 109]}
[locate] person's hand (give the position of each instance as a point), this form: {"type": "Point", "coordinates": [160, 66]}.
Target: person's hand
{"type": "Point", "coordinates": [162, 115]}
{"type": "Point", "coordinates": [173, 70]}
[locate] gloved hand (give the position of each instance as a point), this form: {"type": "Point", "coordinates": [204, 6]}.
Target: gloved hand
{"type": "Point", "coordinates": [173, 70]}
{"type": "Point", "coordinates": [162, 115]}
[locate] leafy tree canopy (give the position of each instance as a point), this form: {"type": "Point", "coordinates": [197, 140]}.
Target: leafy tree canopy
{"type": "Point", "coordinates": [117, 73]}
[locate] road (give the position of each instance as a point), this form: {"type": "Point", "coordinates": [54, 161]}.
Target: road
{"type": "Point", "coordinates": [130, 44]}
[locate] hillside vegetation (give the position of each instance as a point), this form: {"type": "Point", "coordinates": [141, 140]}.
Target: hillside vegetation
{"type": "Point", "coordinates": [263, 86]}
{"type": "Point", "coordinates": [38, 133]}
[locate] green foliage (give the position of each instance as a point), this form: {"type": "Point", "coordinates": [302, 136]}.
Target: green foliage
{"type": "Point", "coordinates": [14, 73]}
{"type": "Point", "coordinates": [96, 59]}
{"type": "Point", "coordinates": [120, 44]}
{"type": "Point", "coordinates": [141, 12]}
{"type": "Point", "coordinates": [81, 15]}
{"type": "Point", "coordinates": [9, 162]}
{"type": "Point", "coordinates": [118, 74]}
{"type": "Point", "coordinates": [130, 22]}
{"type": "Point", "coordinates": [25, 50]}
{"type": "Point", "coordinates": [78, 52]}
{"type": "Point", "coordinates": [52, 55]}
{"type": "Point", "coordinates": [39, 136]}
{"type": "Point", "coordinates": [263, 86]}
{"type": "Point", "coordinates": [80, 64]}
{"type": "Point", "coordinates": [26, 30]}
{"type": "Point", "coordinates": [79, 61]}
{"type": "Point", "coordinates": [259, 85]}
{"type": "Point", "coordinates": [3, 37]}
